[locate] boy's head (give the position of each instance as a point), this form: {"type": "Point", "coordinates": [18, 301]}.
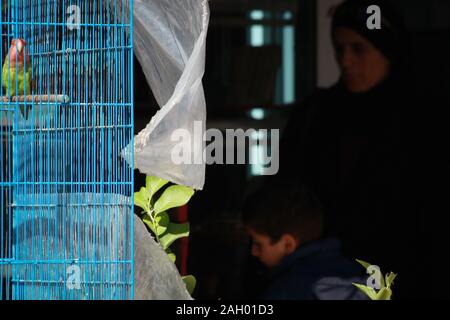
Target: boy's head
{"type": "Point", "coordinates": [279, 218]}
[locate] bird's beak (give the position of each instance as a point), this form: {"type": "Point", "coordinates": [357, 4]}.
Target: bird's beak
{"type": "Point", "coordinates": [19, 46]}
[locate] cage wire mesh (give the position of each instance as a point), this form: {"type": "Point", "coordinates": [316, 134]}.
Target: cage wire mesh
{"type": "Point", "coordinates": [66, 112]}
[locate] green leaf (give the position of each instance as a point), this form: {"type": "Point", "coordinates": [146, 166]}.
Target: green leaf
{"type": "Point", "coordinates": [371, 293]}
{"type": "Point", "coordinates": [190, 282]}
{"type": "Point", "coordinates": [384, 294]}
{"type": "Point", "coordinates": [153, 184]}
{"type": "Point", "coordinates": [173, 196]}
{"type": "Point", "coordinates": [149, 223]}
{"type": "Point", "coordinates": [162, 221]}
{"type": "Point", "coordinates": [174, 231]}
{"type": "Point", "coordinates": [390, 279]}
{"type": "Point", "coordinates": [171, 255]}
{"type": "Point", "coordinates": [141, 199]}
{"type": "Point", "coordinates": [363, 263]}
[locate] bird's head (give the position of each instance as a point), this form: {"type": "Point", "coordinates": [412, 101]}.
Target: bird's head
{"type": "Point", "coordinates": [20, 44]}
{"type": "Point", "coordinates": [17, 52]}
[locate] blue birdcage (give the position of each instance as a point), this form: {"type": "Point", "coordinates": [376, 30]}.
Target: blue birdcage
{"type": "Point", "coordinates": [66, 223]}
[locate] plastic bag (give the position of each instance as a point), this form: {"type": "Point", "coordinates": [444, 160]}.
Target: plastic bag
{"type": "Point", "coordinates": [170, 43]}
{"type": "Point", "coordinates": [155, 276]}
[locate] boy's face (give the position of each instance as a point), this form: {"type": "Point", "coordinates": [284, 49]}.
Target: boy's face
{"type": "Point", "coordinates": [270, 254]}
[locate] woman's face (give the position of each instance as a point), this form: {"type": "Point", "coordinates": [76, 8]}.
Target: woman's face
{"type": "Point", "coordinates": [362, 65]}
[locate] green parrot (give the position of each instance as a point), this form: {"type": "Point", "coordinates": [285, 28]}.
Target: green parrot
{"type": "Point", "coordinates": [15, 79]}
{"type": "Point", "coordinates": [13, 69]}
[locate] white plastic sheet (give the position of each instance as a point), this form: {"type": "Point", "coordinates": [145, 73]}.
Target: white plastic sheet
{"type": "Point", "coordinates": [170, 41]}
{"type": "Point", "coordinates": [155, 276]}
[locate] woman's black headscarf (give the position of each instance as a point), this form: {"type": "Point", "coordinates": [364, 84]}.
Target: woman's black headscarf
{"type": "Point", "coordinates": [392, 39]}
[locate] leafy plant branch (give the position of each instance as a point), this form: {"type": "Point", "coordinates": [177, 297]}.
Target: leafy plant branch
{"type": "Point", "coordinates": [156, 217]}
{"type": "Point", "coordinates": [385, 284]}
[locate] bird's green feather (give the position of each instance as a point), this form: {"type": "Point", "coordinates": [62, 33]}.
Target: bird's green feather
{"type": "Point", "coordinates": [16, 77]}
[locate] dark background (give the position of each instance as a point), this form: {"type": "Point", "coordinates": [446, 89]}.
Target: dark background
{"type": "Point", "coordinates": [240, 77]}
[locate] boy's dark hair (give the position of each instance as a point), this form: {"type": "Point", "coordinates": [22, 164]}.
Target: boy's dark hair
{"type": "Point", "coordinates": [281, 208]}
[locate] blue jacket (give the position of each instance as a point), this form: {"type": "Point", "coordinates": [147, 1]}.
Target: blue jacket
{"type": "Point", "coordinates": [316, 271]}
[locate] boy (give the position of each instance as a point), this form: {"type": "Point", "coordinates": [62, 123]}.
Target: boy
{"type": "Point", "coordinates": [285, 225]}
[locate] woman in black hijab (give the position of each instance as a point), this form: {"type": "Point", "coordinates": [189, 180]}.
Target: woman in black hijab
{"type": "Point", "coordinates": [355, 144]}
